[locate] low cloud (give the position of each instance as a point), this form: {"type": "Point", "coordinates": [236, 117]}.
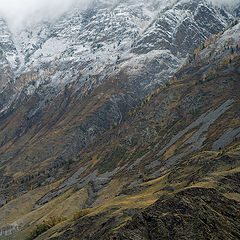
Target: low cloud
{"type": "Point", "coordinates": [225, 2]}
{"type": "Point", "coordinates": [21, 13]}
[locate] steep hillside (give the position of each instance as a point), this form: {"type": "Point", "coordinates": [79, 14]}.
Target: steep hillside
{"type": "Point", "coordinates": [185, 137]}
{"type": "Point", "coordinates": [76, 79]}
{"type": "Point", "coordinates": [104, 134]}
{"type": "Point", "coordinates": [8, 64]}
{"type": "Point", "coordinates": [194, 213]}
{"type": "Point", "coordinates": [140, 37]}
{"type": "Point", "coordinates": [141, 174]}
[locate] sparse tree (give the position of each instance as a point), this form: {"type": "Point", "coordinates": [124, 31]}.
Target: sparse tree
{"type": "Point", "coordinates": [204, 77]}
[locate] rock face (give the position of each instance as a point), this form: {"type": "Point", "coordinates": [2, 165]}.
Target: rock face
{"type": "Point", "coordinates": [78, 131]}
{"type": "Point", "coordinates": [9, 63]}
{"type": "Point", "coordinates": [195, 213]}
{"type": "Point", "coordinates": [148, 39]}
{"type": "Point", "coordinates": [49, 68]}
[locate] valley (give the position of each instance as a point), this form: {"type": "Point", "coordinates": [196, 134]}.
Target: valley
{"type": "Point", "coordinates": [122, 122]}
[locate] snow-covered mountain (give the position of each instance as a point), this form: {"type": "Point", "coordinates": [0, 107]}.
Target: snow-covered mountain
{"type": "Point", "coordinates": [90, 67]}
{"type": "Point", "coordinates": [9, 63]}
{"type": "Point", "coordinates": [147, 39]}
{"type": "Point", "coordinates": [79, 131]}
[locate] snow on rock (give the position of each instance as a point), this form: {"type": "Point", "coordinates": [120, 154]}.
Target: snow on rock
{"type": "Point", "coordinates": [149, 39]}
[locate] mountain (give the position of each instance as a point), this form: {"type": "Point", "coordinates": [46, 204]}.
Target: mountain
{"type": "Point", "coordinates": [178, 153]}
{"type": "Point", "coordinates": [64, 61]}
{"type": "Point", "coordinates": [8, 64]}
{"type": "Point", "coordinates": [111, 115]}
{"type": "Point", "coordinates": [109, 37]}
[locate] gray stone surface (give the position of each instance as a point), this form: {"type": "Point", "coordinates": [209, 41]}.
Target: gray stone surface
{"type": "Point", "coordinates": [196, 140]}
{"type": "Point", "coordinates": [138, 161]}
{"type": "Point", "coordinates": [9, 230]}
{"type": "Point", "coordinates": [226, 139]}
{"type": "Point", "coordinates": [205, 119]}
{"type": "Point", "coordinates": [73, 179]}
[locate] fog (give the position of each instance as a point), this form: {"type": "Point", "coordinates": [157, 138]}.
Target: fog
{"type": "Point", "coordinates": [21, 13]}
{"type": "Point", "coordinates": [225, 2]}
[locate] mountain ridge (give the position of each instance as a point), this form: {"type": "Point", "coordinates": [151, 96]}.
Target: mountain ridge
{"type": "Point", "coordinates": [102, 147]}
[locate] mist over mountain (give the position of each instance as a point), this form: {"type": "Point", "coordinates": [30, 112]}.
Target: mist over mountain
{"type": "Point", "coordinates": [225, 2]}
{"type": "Point", "coordinates": [20, 14]}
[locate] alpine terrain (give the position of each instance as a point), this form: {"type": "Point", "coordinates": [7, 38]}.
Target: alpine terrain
{"type": "Point", "coordinates": [122, 121]}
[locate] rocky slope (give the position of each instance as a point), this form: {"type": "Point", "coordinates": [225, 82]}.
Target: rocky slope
{"type": "Point", "coordinates": [195, 213]}
{"type": "Point", "coordinates": [135, 47]}
{"type": "Point", "coordinates": [141, 38]}
{"type": "Point", "coordinates": [177, 147]}
{"type": "Point", "coordinates": [68, 142]}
